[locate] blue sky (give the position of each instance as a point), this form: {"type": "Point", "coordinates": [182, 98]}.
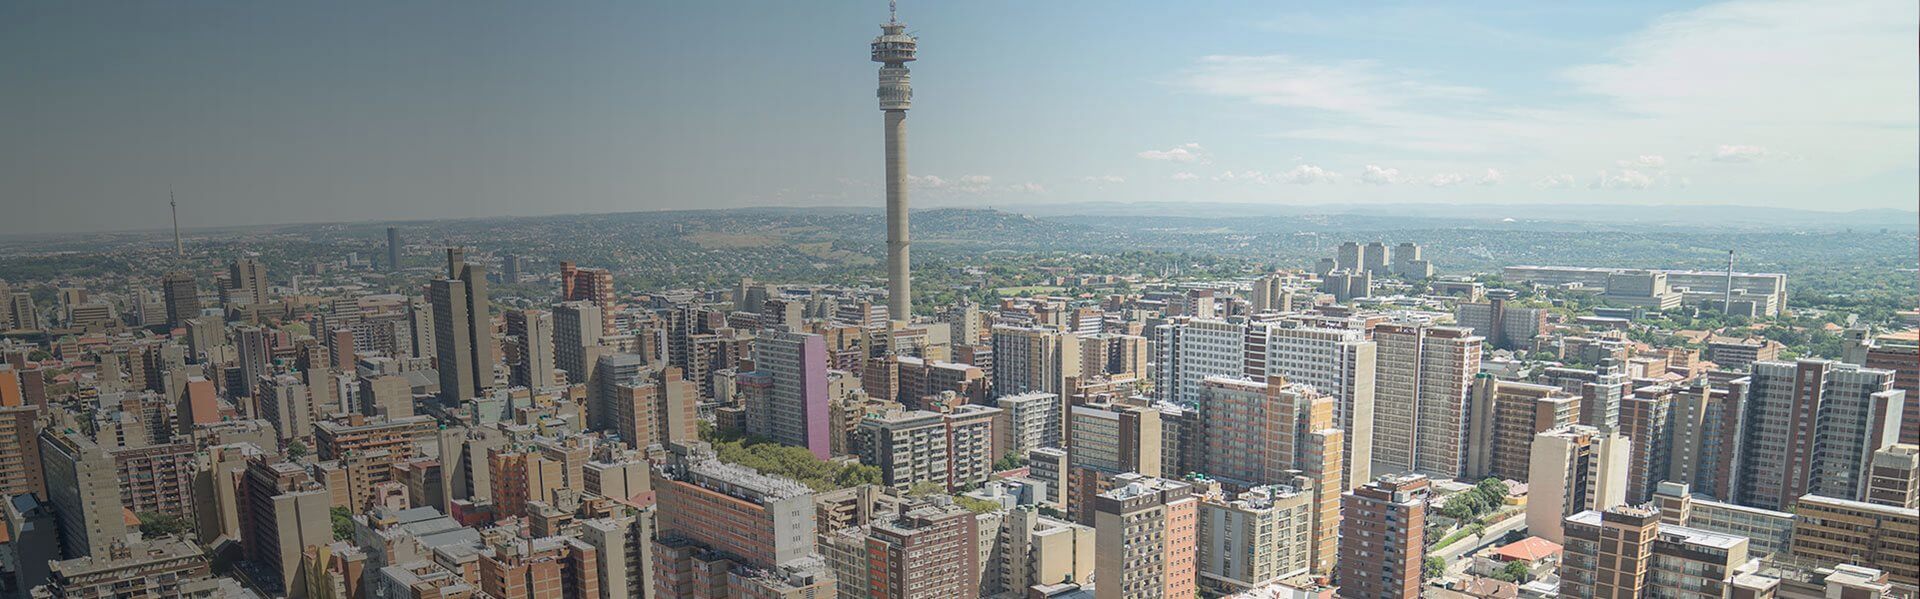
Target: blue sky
{"type": "Point", "coordinates": [298, 112]}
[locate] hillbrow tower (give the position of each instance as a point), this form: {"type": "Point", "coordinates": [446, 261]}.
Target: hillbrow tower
{"type": "Point", "coordinates": [893, 50]}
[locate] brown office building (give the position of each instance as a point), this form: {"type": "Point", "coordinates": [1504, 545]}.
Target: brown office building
{"type": "Point", "coordinates": [1837, 531]}
{"type": "Point", "coordinates": [1626, 552]}
{"type": "Point", "coordinates": [931, 551]}
{"type": "Point", "coordinates": [1506, 416]}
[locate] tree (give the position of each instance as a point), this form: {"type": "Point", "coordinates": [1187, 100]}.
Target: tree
{"type": "Point", "coordinates": [1008, 462]}
{"type": "Point", "coordinates": [155, 524]}
{"type": "Point", "coordinates": [342, 523]}
{"type": "Point", "coordinates": [925, 488]}
{"type": "Point", "coordinates": [977, 506]}
{"type": "Point", "coordinates": [296, 450]}
{"type": "Point", "coordinates": [1433, 567]}
{"type": "Point", "coordinates": [1514, 572]}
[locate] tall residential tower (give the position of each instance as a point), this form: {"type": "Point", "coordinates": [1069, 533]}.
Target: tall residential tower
{"type": "Point", "coordinates": [893, 50]}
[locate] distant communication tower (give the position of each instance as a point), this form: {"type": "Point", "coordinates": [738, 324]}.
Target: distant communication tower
{"type": "Point", "coordinates": [1727, 305]}
{"type": "Point", "coordinates": [174, 206]}
{"type": "Point", "coordinates": [893, 50]}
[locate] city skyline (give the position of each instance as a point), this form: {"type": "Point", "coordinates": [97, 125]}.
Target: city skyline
{"type": "Point", "coordinates": [601, 302]}
{"type": "Point", "coordinates": [264, 115]}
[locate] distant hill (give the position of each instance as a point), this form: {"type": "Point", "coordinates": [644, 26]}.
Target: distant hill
{"type": "Point", "coordinates": [1707, 216]}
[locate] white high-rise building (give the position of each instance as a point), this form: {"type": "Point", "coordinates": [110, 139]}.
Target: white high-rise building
{"type": "Point", "coordinates": [1189, 352]}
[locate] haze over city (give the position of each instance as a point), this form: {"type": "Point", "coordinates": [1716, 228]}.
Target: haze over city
{"type": "Point", "coordinates": [261, 114]}
{"type": "Point", "coordinates": [995, 300]}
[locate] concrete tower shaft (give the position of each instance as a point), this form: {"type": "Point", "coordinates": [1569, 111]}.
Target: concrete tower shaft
{"type": "Point", "coordinates": [893, 49]}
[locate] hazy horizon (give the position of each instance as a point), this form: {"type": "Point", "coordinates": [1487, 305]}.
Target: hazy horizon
{"type": "Point", "coordinates": [367, 112]}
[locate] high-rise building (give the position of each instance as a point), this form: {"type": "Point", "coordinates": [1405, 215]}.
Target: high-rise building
{"type": "Point", "coordinates": [1506, 416]}
{"type": "Point", "coordinates": [24, 316]}
{"type": "Point", "coordinates": [762, 520]}
{"type": "Point", "coordinates": [1899, 353]}
{"type": "Point", "coordinates": [1627, 552]}
{"type": "Point", "coordinates": [1573, 469]}
{"type": "Point", "coordinates": [282, 512]}
{"type": "Point", "coordinates": [1105, 440]}
{"type": "Point", "coordinates": [576, 335]}
{"type": "Point", "coordinates": [1347, 285]}
{"type": "Point", "coordinates": [1188, 352]}
{"type": "Point", "coordinates": [624, 545]}
{"type": "Point", "coordinates": [532, 333]}
{"type": "Point", "coordinates": [1146, 530]}
{"type": "Point", "coordinates": [1383, 538]}
{"type": "Point", "coordinates": [1423, 381]}
{"type": "Point", "coordinates": [463, 330]}
{"type": "Point", "coordinates": [1375, 258]}
{"type": "Point", "coordinates": [1735, 354]}
{"type": "Point", "coordinates": [1831, 532]}
{"type": "Point", "coordinates": [1646, 419]}
{"type": "Point", "coordinates": [183, 297]}
{"type": "Point", "coordinates": [1037, 550]}
{"type": "Point", "coordinates": [1028, 421]}
{"type": "Point", "coordinates": [1505, 326]}
{"type": "Point", "coordinates": [1348, 256]}
{"type": "Point", "coordinates": [893, 50]}
{"type": "Point", "coordinates": [1811, 427]}
{"type": "Point", "coordinates": [1033, 359]}
{"type": "Point", "coordinates": [393, 249]}
{"type": "Point", "coordinates": [1893, 477]}
{"type": "Point", "coordinates": [792, 410]}
{"type": "Point", "coordinates": [1601, 390]}
{"type": "Point", "coordinates": [1256, 538]}
{"type": "Point", "coordinates": [1408, 263]}
{"type": "Point", "coordinates": [592, 285]}
{"type": "Point", "coordinates": [20, 469]}
{"type": "Point", "coordinates": [1270, 295]}
{"type": "Point", "coordinates": [163, 567]}
{"type": "Point", "coordinates": [246, 283]}
{"type": "Point", "coordinates": [83, 489]}
{"type": "Point", "coordinates": [907, 446]}
{"type": "Point", "coordinates": [1338, 362]}
{"type": "Point", "coordinates": [1768, 532]}
{"type": "Point", "coordinates": [930, 550]}
{"type": "Point", "coordinates": [156, 478]}
{"type": "Point", "coordinates": [538, 568]}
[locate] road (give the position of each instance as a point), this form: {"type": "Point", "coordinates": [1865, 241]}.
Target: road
{"type": "Point", "coordinates": [1467, 545]}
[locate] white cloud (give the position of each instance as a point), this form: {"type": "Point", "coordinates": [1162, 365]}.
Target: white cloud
{"type": "Point", "coordinates": [1028, 187]}
{"type": "Point", "coordinates": [1623, 179]}
{"type": "Point", "coordinates": [1650, 162]}
{"type": "Point", "coordinates": [1446, 179]}
{"type": "Point", "coordinates": [1104, 179]}
{"type": "Point", "coordinates": [1493, 177]}
{"type": "Point", "coordinates": [1188, 152]}
{"type": "Point", "coordinates": [1831, 79]}
{"type": "Point", "coordinates": [1379, 175]}
{"type": "Point", "coordinates": [1555, 182]}
{"type": "Point", "coordinates": [1738, 153]}
{"type": "Point", "coordinates": [1307, 174]}
{"type": "Point", "coordinates": [1185, 176]}
{"type": "Point", "coordinates": [962, 184]}
{"type": "Point", "coordinates": [1352, 86]}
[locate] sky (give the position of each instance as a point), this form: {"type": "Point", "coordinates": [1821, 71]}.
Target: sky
{"type": "Point", "coordinates": [278, 112]}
